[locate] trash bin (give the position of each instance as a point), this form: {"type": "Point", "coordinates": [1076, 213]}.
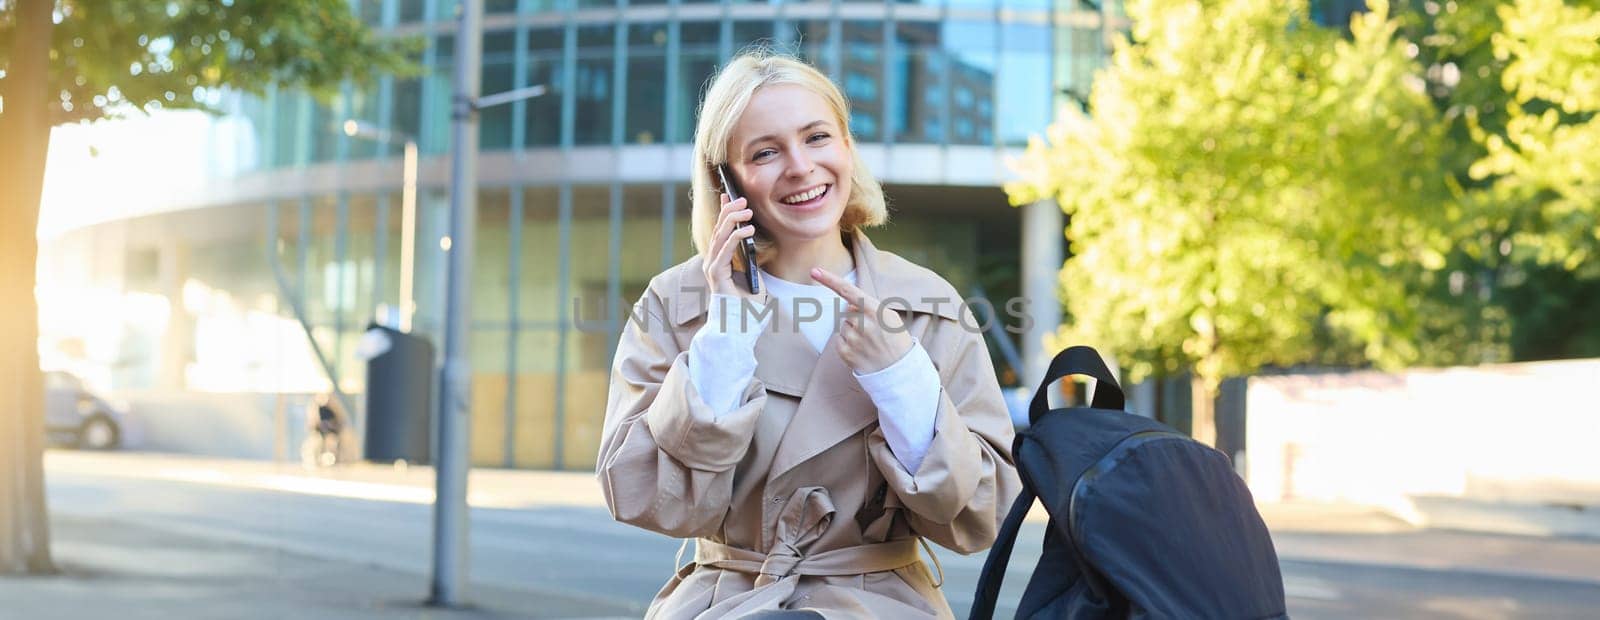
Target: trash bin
{"type": "Point", "coordinates": [399, 396]}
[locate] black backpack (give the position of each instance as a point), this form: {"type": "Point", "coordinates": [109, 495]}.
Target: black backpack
{"type": "Point", "coordinates": [1144, 521]}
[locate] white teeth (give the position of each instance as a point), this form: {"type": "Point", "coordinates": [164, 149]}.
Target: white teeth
{"type": "Point", "coordinates": [799, 198]}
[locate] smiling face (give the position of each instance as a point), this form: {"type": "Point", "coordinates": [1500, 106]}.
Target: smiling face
{"type": "Point", "coordinates": [792, 159]}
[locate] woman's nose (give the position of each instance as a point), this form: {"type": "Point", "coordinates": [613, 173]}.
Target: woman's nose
{"type": "Point", "coordinates": [800, 165]}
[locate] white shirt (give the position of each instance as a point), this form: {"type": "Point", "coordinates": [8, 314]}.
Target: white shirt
{"type": "Point", "coordinates": [815, 306]}
{"type": "Point", "coordinates": [906, 393]}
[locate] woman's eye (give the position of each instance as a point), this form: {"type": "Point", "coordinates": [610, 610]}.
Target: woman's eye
{"type": "Point", "coordinates": [763, 154]}
{"type": "Point", "coordinates": [818, 136]}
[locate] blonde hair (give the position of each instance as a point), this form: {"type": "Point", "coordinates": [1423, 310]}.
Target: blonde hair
{"type": "Point", "coordinates": [725, 101]}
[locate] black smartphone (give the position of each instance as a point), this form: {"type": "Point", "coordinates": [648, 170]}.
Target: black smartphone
{"type": "Point", "coordinates": [747, 249]}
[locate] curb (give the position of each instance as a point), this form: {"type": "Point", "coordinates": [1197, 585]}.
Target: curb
{"type": "Point", "coordinates": [1510, 518]}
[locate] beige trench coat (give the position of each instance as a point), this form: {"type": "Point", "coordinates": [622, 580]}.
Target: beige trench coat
{"type": "Point", "coordinates": [794, 497]}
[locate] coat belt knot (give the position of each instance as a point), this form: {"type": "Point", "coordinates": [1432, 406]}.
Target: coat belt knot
{"type": "Point", "coordinates": [805, 517]}
{"type": "Point", "coordinates": [780, 562]}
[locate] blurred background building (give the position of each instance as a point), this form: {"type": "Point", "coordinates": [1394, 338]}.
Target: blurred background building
{"type": "Point", "coordinates": [170, 292]}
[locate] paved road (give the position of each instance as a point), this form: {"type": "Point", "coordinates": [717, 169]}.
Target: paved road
{"type": "Point", "coordinates": [580, 551]}
{"type": "Point", "coordinates": [117, 570]}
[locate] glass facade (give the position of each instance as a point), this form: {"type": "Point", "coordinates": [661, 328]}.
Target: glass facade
{"type": "Point", "coordinates": [558, 264]}
{"type": "Point", "coordinates": [968, 72]}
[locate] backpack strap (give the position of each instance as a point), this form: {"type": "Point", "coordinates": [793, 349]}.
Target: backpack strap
{"type": "Point", "coordinates": [1077, 360]}
{"type": "Point", "coordinates": [994, 568]}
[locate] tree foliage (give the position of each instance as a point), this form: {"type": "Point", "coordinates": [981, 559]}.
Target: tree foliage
{"type": "Point", "coordinates": [1520, 278]}
{"type": "Point", "coordinates": [1245, 190]}
{"type": "Point", "coordinates": [1545, 154]}
{"type": "Point", "coordinates": [116, 56]}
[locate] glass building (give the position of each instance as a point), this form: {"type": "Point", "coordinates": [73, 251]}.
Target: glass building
{"type": "Point", "coordinates": [582, 196]}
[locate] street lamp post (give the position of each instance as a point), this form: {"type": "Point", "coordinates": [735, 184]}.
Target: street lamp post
{"type": "Point", "coordinates": [450, 511]}
{"type": "Point", "coordinates": [408, 210]}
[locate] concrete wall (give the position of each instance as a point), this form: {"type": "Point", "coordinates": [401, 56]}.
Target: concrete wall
{"type": "Point", "coordinates": [1511, 432]}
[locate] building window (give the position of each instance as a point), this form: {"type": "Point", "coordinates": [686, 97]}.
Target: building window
{"type": "Point", "coordinates": [411, 10]}
{"type": "Point", "coordinates": [811, 41]}
{"type": "Point", "coordinates": [697, 61]}
{"type": "Point", "coordinates": [541, 124]}
{"type": "Point", "coordinates": [971, 47]}
{"type": "Point", "coordinates": [747, 33]}
{"type": "Point", "coordinates": [860, 88]}
{"type": "Point", "coordinates": [863, 124]}
{"type": "Point", "coordinates": [647, 68]}
{"type": "Point", "coordinates": [920, 79]}
{"type": "Point", "coordinates": [863, 71]}
{"type": "Point", "coordinates": [1024, 61]}
{"type": "Point", "coordinates": [593, 85]}
{"type": "Point", "coordinates": [285, 127]}
{"type": "Point", "coordinates": [963, 98]}
{"type": "Point", "coordinates": [499, 70]}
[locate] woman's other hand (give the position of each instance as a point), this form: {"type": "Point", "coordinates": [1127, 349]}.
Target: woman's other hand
{"type": "Point", "coordinates": [725, 240]}
{"type": "Point", "coordinates": [872, 337]}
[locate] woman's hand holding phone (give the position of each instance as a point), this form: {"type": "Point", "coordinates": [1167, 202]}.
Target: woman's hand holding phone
{"type": "Point", "coordinates": [725, 239]}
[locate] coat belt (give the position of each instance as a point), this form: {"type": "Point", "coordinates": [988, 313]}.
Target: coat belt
{"type": "Point", "coordinates": [785, 560]}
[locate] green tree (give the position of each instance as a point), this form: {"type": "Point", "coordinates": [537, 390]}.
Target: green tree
{"type": "Point", "coordinates": [1517, 275]}
{"type": "Point", "coordinates": [1544, 154]}
{"type": "Point", "coordinates": [1520, 275]}
{"type": "Point", "coordinates": [1248, 188]}
{"type": "Point", "coordinates": [1451, 44]}
{"type": "Point", "coordinates": [78, 60]}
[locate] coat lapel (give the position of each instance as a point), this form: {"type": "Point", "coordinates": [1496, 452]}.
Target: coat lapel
{"type": "Point", "coordinates": [835, 406]}
{"type": "Point", "coordinates": [785, 361]}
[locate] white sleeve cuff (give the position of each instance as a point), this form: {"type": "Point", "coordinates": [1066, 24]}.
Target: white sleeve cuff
{"type": "Point", "coordinates": [907, 396]}
{"type": "Point", "coordinates": [722, 355]}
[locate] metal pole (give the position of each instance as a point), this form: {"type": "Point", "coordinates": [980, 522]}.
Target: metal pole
{"type": "Point", "coordinates": [408, 237]}
{"type": "Point", "coordinates": [450, 469]}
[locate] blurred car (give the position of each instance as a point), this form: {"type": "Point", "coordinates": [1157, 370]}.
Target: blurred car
{"type": "Point", "coordinates": [75, 417]}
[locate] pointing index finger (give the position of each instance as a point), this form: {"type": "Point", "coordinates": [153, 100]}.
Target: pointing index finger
{"type": "Point", "coordinates": [844, 288]}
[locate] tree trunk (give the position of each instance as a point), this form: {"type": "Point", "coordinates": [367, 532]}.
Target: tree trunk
{"type": "Point", "coordinates": [1203, 405]}
{"type": "Point", "coordinates": [24, 140]}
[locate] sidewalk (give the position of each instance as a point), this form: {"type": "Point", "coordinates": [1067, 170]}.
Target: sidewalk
{"type": "Point", "coordinates": [505, 488]}
{"type": "Point", "coordinates": [487, 488]}
{"type": "Point", "coordinates": [1509, 517]}
{"type": "Point", "coordinates": [1438, 535]}
{"type": "Point", "coordinates": [115, 570]}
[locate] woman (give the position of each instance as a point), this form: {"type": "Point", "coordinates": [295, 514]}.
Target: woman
{"type": "Point", "coordinates": [807, 436]}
